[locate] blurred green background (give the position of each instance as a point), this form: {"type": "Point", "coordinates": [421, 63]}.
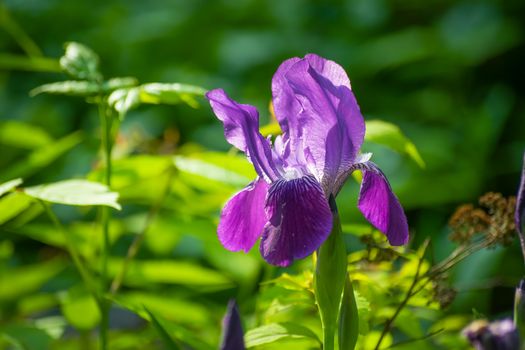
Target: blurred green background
{"type": "Point", "coordinates": [448, 73]}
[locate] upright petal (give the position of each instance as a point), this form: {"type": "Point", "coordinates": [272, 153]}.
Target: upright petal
{"type": "Point", "coordinates": [380, 205]}
{"type": "Point", "coordinates": [243, 218]}
{"type": "Point", "coordinates": [286, 106]}
{"type": "Point", "coordinates": [299, 220]}
{"type": "Point", "coordinates": [232, 332]}
{"type": "Point", "coordinates": [241, 129]}
{"type": "Point", "coordinates": [331, 123]}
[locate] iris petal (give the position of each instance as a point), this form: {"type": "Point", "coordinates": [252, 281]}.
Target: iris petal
{"type": "Point", "coordinates": [299, 220]}
{"type": "Point", "coordinates": [241, 129]}
{"type": "Point", "coordinates": [285, 106]}
{"type": "Point", "coordinates": [233, 335]}
{"type": "Point", "coordinates": [243, 218]}
{"type": "Point", "coordinates": [331, 123]}
{"type": "Point", "coordinates": [380, 205]}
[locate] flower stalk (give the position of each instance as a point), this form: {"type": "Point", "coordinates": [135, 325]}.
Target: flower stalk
{"type": "Point", "coordinates": [330, 279]}
{"type": "Point", "coordinates": [107, 142]}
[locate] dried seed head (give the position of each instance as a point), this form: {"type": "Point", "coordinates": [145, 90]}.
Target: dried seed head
{"type": "Point", "coordinates": [466, 222]}
{"type": "Point", "coordinates": [501, 210]}
{"type": "Point", "coordinates": [494, 219]}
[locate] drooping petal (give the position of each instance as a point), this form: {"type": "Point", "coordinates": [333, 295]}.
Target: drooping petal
{"type": "Point", "coordinates": [299, 220]}
{"type": "Point", "coordinates": [331, 123]}
{"type": "Point", "coordinates": [243, 217]}
{"type": "Point", "coordinates": [232, 332]}
{"type": "Point", "coordinates": [241, 129]}
{"type": "Point", "coordinates": [380, 205]}
{"type": "Point", "coordinates": [519, 215]}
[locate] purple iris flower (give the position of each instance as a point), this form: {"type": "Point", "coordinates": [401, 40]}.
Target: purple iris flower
{"type": "Point", "coordinates": [497, 335]}
{"type": "Point", "coordinates": [322, 132]}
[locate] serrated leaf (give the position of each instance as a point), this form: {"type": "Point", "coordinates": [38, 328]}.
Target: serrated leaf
{"type": "Point", "coordinates": [75, 192]}
{"type": "Point", "coordinates": [123, 100]}
{"type": "Point", "coordinates": [277, 331]}
{"type": "Point", "coordinates": [157, 93]}
{"type": "Point", "coordinates": [391, 136]}
{"type": "Point", "coordinates": [119, 83]}
{"type": "Point", "coordinates": [9, 185]}
{"type": "Point", "coordinates": [80, 62]}
{"type": "Point", "coordinates": [68, 88]}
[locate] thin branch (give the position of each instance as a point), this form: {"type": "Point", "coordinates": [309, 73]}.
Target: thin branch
{"type": "Point", "coordinates": [75, 255]}
{"type": "Point", "coordinates": [413, 340]}
{"type": "Point", "coordinates": [137, 241]}
{"type": "Point", "coordinates": [400, 307]}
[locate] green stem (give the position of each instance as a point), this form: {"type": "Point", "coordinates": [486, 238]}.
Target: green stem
{"type": "Point", "coordinates": [106, 123]}
{"type": "Point", "coordinates": [408, 295]}
{"type": "Point", "coordinates": [330, 276]}
{"type": "Point", "coordinates": [75, 255]}
{"type": "Point", "coordinates": [137, 241]}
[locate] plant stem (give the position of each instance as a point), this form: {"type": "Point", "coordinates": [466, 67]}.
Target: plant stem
{"type": "Point", "coordinates": [408, 295]}
{"type": "Point", "coordinates": [106, 123]}
{"type": "Point", "coordinates": [330, 277]}
{"type": "Point", "coordinates": [75, 255]}
{"type": "Point", "coordinates": [137, 241]}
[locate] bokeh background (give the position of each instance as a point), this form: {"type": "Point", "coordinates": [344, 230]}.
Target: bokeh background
{"type": "Point", "coordinates": [448, 73]}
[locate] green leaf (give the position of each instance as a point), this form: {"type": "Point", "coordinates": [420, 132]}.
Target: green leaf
{"type": "Point", "coordinates": [68, 88]}
{"type": "Point", "coordinates": [75, 192]}
{"type": "Point", "coordinates": [175, 93]}
{"type": "Point", "coordinates": [348, 318]}
{"type": "Point", "coordinates": [123, 100]}
{"type": "Point", "coordinates": [277, 331]}
{"type": "Point", "coordinates": [80, 308]}
{"type": "Point", "coordinates": [80, 62]}
{"type": "Point", "coordinates": [169, 271]}
{"type": "Point", "coordinates": [41, 157]}
{"type": "Point", "coordinates": [26, 337]}
{"type": "Point", "coordinates": [13, 204]}
{"type": "Point", "coordinates": [390, 135]}
{"type": "Point", "coordinates": [23, 135]}
{"type": "Point", "coordinates": [330, 276]}
{"type": "Point", "coordinates": [227, 169]}
{"type": "Point", "coordinates": [168, 342]}
{"type": "Point", "coordinates": [173, 309]}
{"type": "Point", "coordinates": [19, 281]}
{"type": "Point", "coordinates": [9, 185]}
{"type": "Point", "coordinates": [118, 83]}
